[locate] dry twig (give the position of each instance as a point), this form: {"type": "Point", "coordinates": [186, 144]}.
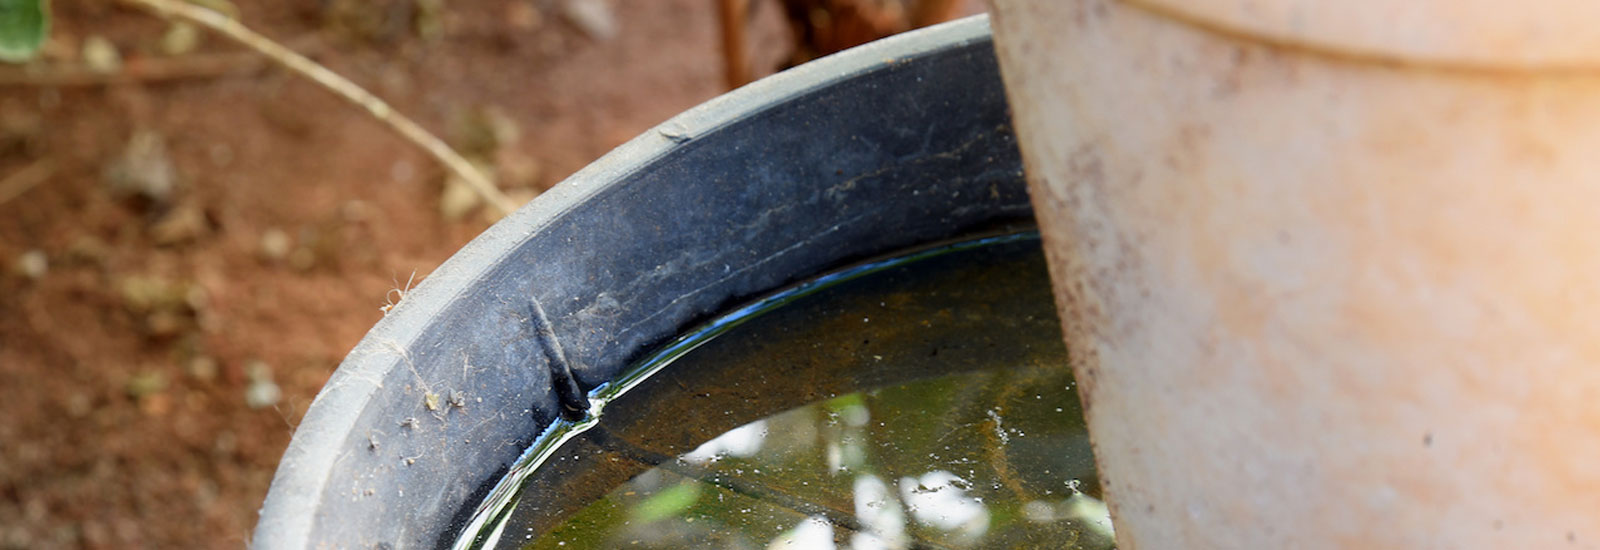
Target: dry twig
{"type": "Point", "coordinates": [22, 180]}
{"type": "Point", "coordinates": [149, 69]}
{"type": "Point", "coordinates": [221, 24]}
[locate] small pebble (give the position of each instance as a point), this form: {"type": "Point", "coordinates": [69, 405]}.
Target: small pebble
{"type": "Point", "coordinates": [203, 368]}
{"type": "Point", "coordinates": [262, 391]}
{"type": "Point", "coordinates": [275, 244]}
{"type": "Point", "coordinates": [80, 405]}
{"type": "Point", "coordinates": [521, 15]}
{"type": "Point", "coordinates": [100, 55]}
{"type": "Point", "coordinates": [594, 17]}
{"type": "Point", "coordinates": [88, 249]}
{"type": "Point", "coordinates": [221, 154]}
{"type": "Point", "coordinates": [144, 169]}
{"type": "Point", "coordinates": [185, 223]}
{"type": "Point", "coordinates": [33, 264]}
{"type": "Point", "coordinates": [262, 394]}
{"type": "Point", "coordinates": [456, 200]}
{"type": "Point", "coordinates": [180, 38]}
{"type": "Point", "coordinates": [303, 259]}
{"type": "Point", "coordinates": [146, 383]}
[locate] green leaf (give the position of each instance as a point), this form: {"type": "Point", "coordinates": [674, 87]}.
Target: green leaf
{"type": "Point", "coordinates": [23, 26]}
{"type": "Point", "coordinates": [667, 503]}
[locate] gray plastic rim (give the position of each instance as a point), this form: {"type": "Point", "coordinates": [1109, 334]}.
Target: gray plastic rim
{"type": "Point", "coordinates": [346, 441]}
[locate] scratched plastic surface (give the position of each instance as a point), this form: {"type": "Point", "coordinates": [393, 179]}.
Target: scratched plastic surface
{"type": "Point", "coordinates": [921, 401]}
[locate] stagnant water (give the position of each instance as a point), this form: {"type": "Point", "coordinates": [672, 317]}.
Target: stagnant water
{"type": "Point", "coordinates": [919, 401]}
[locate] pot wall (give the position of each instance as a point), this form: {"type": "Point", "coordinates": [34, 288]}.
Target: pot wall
{"type": "Point", "coordinates": [1317, 300]}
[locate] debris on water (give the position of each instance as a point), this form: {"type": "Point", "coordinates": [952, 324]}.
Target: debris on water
{"type": "Point", "coordinates": [999, 429]}
{"type": "Point", "coordinates": [958, 483]}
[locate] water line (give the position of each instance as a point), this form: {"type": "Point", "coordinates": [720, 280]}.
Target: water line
{"type": "Point", "coordinates": [488, 521]}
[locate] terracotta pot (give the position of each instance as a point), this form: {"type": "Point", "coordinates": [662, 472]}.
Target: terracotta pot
{"type": "Point", "coordinates": [1330, 271]}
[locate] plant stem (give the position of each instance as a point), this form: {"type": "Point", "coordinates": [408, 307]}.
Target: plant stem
{"type": "Point", "coordinates": [221, 24]}
{"type": "Point", "coordinates": [151, 69]}
{"type": "Point", "coordinates": [21, 181]}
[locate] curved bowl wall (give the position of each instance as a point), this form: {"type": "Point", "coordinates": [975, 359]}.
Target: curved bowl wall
{"type": "Point", "coordinates": [889, 145]}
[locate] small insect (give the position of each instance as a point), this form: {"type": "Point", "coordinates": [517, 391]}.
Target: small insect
{"type": "Point", "coordinates": [372, 442]}
{"type": "Point", "coordinates": [457, 399]}
{"type": "Point", "coordinates": [396, 294]}
{"type": "Point", "coordinates": [409, 423]}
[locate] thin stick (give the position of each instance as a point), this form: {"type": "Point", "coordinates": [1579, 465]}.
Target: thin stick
{"type": "Point", "coordinates": [21, 181]}
{"type": "Point", "coordinates": [199, 66]}
{"type": "Point", "coordinates": [734, 15]}
{"type": "Point", "coordinates": [217, 22]}
{"type": "Point", "coordinates": [151, 69]}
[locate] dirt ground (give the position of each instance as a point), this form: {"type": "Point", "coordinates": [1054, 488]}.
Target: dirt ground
{"type": "Point", "coordinates": [195, 239]}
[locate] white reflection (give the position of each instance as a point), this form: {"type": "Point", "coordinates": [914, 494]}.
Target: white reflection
{"type": "Point", "coordinates": [1090, 512]}
{"type": "Point", "coordinates": [739, 442]}
{"type": "Point", "coordinates": [855, 415]}
{"type": "Point", "coordinates": [938, 499]}
{"type": "Point", "coordinates": [1039, 511]}
{"type": "Point", "coordinates": [813, 533]}
{"type": "Point", "coordinates": [883, 523]}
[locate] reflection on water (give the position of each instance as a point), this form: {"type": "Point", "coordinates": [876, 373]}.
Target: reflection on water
{"type": "Point", "coordinates": [983, 459]}
{"type": "Point", "coordinates": [928, 406]}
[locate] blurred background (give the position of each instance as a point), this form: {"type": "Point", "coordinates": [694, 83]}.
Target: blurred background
{"type": "Point", "coordinates": [192, 238]}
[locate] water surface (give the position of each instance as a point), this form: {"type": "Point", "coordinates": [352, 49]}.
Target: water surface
{"type": "Point", "coordinates": [917, 401]}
